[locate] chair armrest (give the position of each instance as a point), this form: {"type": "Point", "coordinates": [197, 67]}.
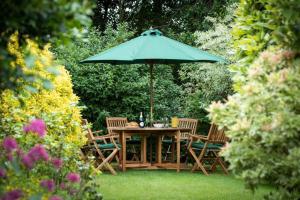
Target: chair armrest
{"type": "Point", "coordinates": [97, 132]}
{"type": "Point", "coordinates": [198, 137]}
{"type": "Point", "coordinates": [102, 137]}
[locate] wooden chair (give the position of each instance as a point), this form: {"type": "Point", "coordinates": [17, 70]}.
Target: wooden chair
{"type": "Point", "coordinates": [121, 122]}
{"type": "Point", "coordinates": [183, 123]}
{"type": "Point", "coordinates": [115, 122]}
{"type": "Point", "coordinates": [208, 147]}
{"type": "Point", "coordinates": [102, 145]}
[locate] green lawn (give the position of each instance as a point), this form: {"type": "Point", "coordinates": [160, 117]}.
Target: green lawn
{"type": "Point", "coordinates": [162, 184]}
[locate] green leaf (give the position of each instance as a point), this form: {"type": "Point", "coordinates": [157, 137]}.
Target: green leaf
{"type": "Point", "coordinates": [36, 197]}
{"type": "Point", "coordinates": [48, 85]}
{"type": "Point", "coordinates": [31, 89]}
{"type": "Point", "coordinates": [29, 61]}
{"type": "Point", "coordinates": [53, 70]}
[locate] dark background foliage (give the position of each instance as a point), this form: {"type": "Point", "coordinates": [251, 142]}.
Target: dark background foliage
{"type": "Point", "coordinates": [178, 16]}
{"type": "Point", "coordinates": [111, 90]}
{"type": "Point", "coordinates": [41, 20]}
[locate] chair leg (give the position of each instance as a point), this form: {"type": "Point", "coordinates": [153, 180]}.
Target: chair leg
{"type": "Point", "coordinates": [134, 157]}
{"type": "Point", "coordinates": [167, 152]}
{"type": "Point", "coordinates": [106, 163]}
{"type": "Point", "coordinates": [198, 163]}
{"type": "Point", "coordinates": [220, 162]}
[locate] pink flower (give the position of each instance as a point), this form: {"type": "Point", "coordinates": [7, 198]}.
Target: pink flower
{"type": "Point", "coordinates": [48, 184]}
{"type": "Point", "coordinates": [73, 177]}
{"type": "Point", "coordinates": [27, 161]}
{"type": "Point", "coordinates": [35, 154]}
{"type": "Point", "coordinates": [13, 195]}
{"type": "Point", "coordinates": [57, 162]}
{"type": "Point", "coordinates": [10, 144]}
{"type": "Point", "coordinates": [2, 173]}
{"type": "Point", "coordinates": [55, 197]}
{"type": "Point", "coordinates": [36, 126]}
{"type": "Point", "coordinates": [38, 152]}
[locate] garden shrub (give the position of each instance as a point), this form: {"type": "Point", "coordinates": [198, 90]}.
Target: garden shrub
{"type": "Point", "coordinates": [262, 118]}
{"type": "Point", "coordinates": [207, 82]}
{"type": "Point", "coordinates": [55, 103]}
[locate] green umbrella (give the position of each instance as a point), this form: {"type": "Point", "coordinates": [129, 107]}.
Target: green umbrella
{"type": "Point", "coordinates": [151, 47]}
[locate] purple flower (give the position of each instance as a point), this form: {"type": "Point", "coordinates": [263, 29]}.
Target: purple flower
{"type": "Point", "coordinates": [9, 144]}
{"type": "Point", "coordinates": [13, 195]}
{"type": "Point", "coordinates": [2, 173]}
{"type": "Point", "coordinates": [63, 186]}
{"type": "Point", "coordinates": [36, 126]}
{"type": "Point", "coordinates": [48, 184]}
{"type": "Point", "coordinates": [27, 161]}
{"type": "Point", "coordinates": [55, 197]}
{"type": "Point", "coordinates": [73, 177]}
{"type": "Point", "coordinates": [38, 152]}
{"type": "Point", "coordinates": [57, 162]}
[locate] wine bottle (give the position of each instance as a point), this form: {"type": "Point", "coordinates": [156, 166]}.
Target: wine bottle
{"type": "Point", "coordinates": [141, 121]}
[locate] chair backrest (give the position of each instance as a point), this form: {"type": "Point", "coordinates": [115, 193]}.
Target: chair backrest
{"type": "Point", "coordinates": [115, 122]}
{"type": "Point", "coordinates": [187, 123]}
{"type": "Point", "coordinates": [89, 134]}
{"type": "Point", "coordinates": [215, 135]}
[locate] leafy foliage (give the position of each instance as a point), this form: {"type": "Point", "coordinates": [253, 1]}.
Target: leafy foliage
{"type": "Point", "coordinates": [260, 24]}
{"type": "Point", "coordinates": [204, 82]}
{"type": "Point", "coordinates": [112, 90]}
{"type": "Point", "coordinates": [42, 21]}
{"type": "Point", "coordinates": [262, 118]}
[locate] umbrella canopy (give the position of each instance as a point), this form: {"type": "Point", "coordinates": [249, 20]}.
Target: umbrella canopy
{"type": "Point", "coordinates": [151, 47]}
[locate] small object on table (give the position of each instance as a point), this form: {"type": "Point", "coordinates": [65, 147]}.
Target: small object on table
{"type": "Point", "coordinates": [141, 121]}
{"type": "Point", "coordinates": [132, 125]}
{"type": "Point", "coordinates": [166, 122]}
{"type": "Point", "coordinates": [174, 122]}
{"type": "Point", "coordinates": [158, 125]}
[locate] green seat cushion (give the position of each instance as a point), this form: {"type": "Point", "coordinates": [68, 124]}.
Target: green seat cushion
{"type": "Point", "coordinates": [108, 146]}
{"type": "Point", "coordinates": [167, 141]}
{"type": "Point", "coordinates": [200, 145]}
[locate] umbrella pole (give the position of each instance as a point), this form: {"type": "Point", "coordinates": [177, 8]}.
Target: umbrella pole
{"type": "Point", "coordinates": [151, 95]}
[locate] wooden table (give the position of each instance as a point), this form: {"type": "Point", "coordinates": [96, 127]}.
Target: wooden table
{"type": "Point", "coordinates": [144, 133]}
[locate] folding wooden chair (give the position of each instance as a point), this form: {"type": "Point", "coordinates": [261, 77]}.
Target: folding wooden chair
{"type": "Point", "coordinates": [209, 147]}
{"type": "Point", "coordinates": [121, 122]}
{"type": "Point", "coordinates": [183, 123]}
{"type": "Point", "coordinates": [102, 145]}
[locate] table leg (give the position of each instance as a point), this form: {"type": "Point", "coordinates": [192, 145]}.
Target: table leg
{"type": "Point", "coordinates": [178, 150]}
{"type": "Point", "coordinates": [144, 149]}
{"type": "Point", "coordinates": [159, 144]}
{"type": "Point", "coordinates": [123, 139]}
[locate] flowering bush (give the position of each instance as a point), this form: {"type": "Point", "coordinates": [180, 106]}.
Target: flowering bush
{"type": "Point", "coordinates": [263, 122]}
{"type": "Point", "coordinates": [263, 116]}
{"type": "Point", "coordinates": [37, 157]}
{"type": "Point", "coordinates": [39, 179]}
{"type": "Point", "coordinates": [56, 106]}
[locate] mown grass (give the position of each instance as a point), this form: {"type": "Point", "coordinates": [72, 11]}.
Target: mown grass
{"type": "Point", "coordinates": [167, 184]}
